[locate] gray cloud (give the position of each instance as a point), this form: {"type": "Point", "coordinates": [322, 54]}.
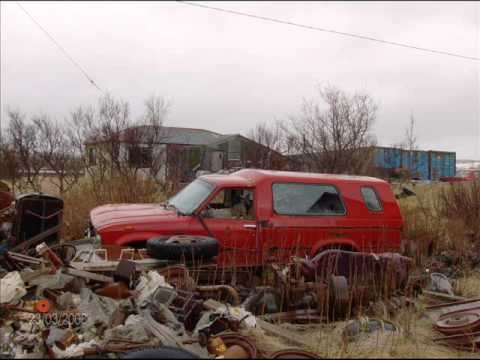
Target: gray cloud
{"type": "Point", "coordinates": [225, 72]}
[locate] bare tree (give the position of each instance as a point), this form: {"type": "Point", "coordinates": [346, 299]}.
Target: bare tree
{"type": "Point", "coordinates": [270, 137]}
{"type": "Point", "coordinates": [407, 157]}
{"type": "Point", "coordinates": [58, 153]}
{"type": "Point", "coordinates": [10, 169]}
{"type": "Point", "coordinates": [24, 143]}
{"type": "Point", "coordinates": [114, 146]}
{"type": "Point", "coordinates": [335, 137]}
{"type": "Point", "coordinates": [410, 144]}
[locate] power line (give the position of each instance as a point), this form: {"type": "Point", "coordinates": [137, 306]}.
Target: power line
{"type": "Point", "coordinates": [363, 37]}
{"type": "Point", "coordinates": [90, 80]}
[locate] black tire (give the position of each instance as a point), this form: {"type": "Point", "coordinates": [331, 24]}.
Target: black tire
{"type": "Point", "coordinates": [164, 352]}
{"type": "Point", "coordinates": [182, 246]}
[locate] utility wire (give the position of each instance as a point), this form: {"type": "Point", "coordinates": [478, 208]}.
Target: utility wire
{"type": "Point", "coordinates": [327, 30]}
{"type": "Point", "coordinates": [60, 47]}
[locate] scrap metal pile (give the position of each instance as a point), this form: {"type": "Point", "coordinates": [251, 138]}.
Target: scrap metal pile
{"type": "Point", "coordinates": [79, 299]}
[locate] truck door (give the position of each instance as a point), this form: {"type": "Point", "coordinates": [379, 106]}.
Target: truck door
{"type": "Point", "coordinates": [230, 217]}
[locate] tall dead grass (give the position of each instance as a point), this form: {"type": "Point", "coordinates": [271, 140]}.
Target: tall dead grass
{"type": "Point", "coordinates": [441, 217]}
{"type": "Point", "coordinates": [461, 201]}
{"type": "Point", "coordinates": [82, 198]}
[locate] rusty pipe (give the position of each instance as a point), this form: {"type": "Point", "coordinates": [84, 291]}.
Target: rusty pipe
{"type": "Point", "coordinates": [231, 291]}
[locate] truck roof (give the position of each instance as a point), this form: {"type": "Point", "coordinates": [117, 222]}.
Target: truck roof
{"type": "Point", "coordinates": [250, 177]}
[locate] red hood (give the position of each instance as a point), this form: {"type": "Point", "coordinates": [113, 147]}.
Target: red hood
{"type": "Point", "coordinates": [118, 214]}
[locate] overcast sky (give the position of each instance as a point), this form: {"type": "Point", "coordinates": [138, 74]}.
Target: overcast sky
{"type": "Point", "coordinates": [226, 73]}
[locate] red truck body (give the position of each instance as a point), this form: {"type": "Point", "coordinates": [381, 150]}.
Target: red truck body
{"type": "Point", "coordinates": [290, 213]}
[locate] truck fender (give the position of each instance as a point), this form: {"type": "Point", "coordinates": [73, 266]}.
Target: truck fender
{"type": "Point", "coordinates": [328, 243]}
{"type": "Point", "coordinates": [134, 237]}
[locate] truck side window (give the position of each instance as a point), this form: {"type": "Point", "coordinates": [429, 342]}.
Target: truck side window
{"type": "Point", "coordinates": [307, 199]}
{"type": "Point", "coordinates": [231, 203]}
{"type": "Point", "coordinates": [371, 199]}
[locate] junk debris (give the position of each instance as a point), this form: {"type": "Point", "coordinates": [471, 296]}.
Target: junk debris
{"type": "Point", "coordinates": [82, 299]}
{"type": "Point", "coordinates": [458, 322]}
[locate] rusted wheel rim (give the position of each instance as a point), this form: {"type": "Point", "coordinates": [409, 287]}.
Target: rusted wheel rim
{"type": "Point", "coordinates": [235, 339]}
{"type": "Point", "coordinates": [293, 354]}
{"type": "Point", "coordinates": [458, 322]}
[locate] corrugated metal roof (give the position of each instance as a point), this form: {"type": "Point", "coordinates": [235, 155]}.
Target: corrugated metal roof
{"type": "Point", "coordinates": [189, 136]}
{"type": "Point", "coordinates": [172, 135]}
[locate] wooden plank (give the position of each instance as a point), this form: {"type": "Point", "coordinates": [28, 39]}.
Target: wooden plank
{"type": "Point", "coordinates": [269, 328]}
{"type": "Point", "coordinates": [88, 275]}
{"type": "Point", "coordinates": [140, 265]}
{"type": "Point", "coordinates": [95, 266]}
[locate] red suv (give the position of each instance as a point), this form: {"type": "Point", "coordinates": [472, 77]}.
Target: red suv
{"type": "Point", "coordinates": [260, 215]}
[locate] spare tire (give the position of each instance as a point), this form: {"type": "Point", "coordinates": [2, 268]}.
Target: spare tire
{"type": "Point", "coordinates": [188, 246]}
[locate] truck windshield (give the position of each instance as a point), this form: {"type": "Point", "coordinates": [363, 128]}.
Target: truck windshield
{"type": "Point", "coordinates": [190, 197]}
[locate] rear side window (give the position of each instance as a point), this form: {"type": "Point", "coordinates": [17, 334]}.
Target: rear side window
{"type": "Point", "coordinates": [307, 199]}
{"type": "Point", "coordinates": [371, 199]}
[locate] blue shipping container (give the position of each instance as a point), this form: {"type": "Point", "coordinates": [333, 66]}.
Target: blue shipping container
{"type": "Point", "coordinates": [425, 165]}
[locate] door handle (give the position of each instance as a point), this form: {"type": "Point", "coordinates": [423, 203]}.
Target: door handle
{"type": "Point", "coordinates": [250, 226]}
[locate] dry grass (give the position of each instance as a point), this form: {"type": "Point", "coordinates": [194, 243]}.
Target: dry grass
{"type": "Point", "coordinates": [436, 218]}
{"type": "Point", "coordinates": [82, 198]}
{"type": "Point", "coordinates": [326, 340]}
{"type": "Point", "coordinates": [468, 286]}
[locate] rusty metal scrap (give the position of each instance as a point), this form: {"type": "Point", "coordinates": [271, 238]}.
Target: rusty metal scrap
{"type": "Point", "coordinates": [461, 341]}
{"type": "Point", "coordinates": [66, 339]}
{"type": "Point", "coordinates": [459, 321]}
{"type": "Point", "coordinates": [234, 339]}
{"type": "Point", "coordinates": [235, 298]}
{"type": "Point", "coordinates": [125, 272]}
{"type": "Point", "coordinates": [456, 322]}
{"type": "Point", "coordinates": [296, 316]}
{"type": "Point", "coordinates": [186, 307]}
{"type": "Point", "coordinates": [116, 290]}
{"type": "Point", "coordinates": [293, 354]}
{"type": "Point", "coordinates": [175, 302]}
{"type": "Point", "coordinates": [45, 251]}
{"type": "Point", "coordinates": [386, 272]}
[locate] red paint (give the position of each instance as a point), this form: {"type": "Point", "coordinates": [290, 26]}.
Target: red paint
{"type": "Point", "coordinates": [270, 236]}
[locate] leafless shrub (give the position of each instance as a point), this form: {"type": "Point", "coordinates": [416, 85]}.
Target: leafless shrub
{"type": "Point", "coordinates": [336, 137]}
